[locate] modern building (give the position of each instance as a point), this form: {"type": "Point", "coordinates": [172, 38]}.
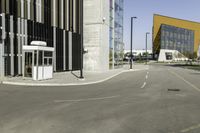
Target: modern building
{"type": "Point", "coordinates": [57, 22]}
{"type": "Point", "coordinates": [103, 34]}
{"type": "Point", "coordinates": [169, 34]}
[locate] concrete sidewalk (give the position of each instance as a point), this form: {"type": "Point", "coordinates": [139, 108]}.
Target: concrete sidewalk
{"type": "Point", "coordinates": [71, 78]}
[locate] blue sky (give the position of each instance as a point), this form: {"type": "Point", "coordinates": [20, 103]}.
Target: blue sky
{"type": "Point", "coordinates": [144, 10]}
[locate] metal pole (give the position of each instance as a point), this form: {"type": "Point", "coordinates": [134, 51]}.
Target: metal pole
{"type": "Point", "coordinates": [131, 61]}
{"type": "Point", "coordinates": [81, 31]}
{"type": "Point", "coordinates": [146, 48]}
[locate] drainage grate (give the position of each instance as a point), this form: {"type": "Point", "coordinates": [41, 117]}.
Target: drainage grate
{"type": "Point", "coordinates": [174, 90]}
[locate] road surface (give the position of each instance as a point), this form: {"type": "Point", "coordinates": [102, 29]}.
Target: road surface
{"type": "Point", "coordinates": [163, 99]}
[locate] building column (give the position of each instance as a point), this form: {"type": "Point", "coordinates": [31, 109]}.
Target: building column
{"type": "Point", "coordinates": [54, 45]}
{"type": "Point", "coordinates": [11, 47]}
{"type": "Point", "coordinates": [66, 9]}
{"type": "Point", "coordinates": [62, 14]}
{"type": "Point", "coordinates": [2, 59]}
{"type": "Point", "coordinates": [74, 16]}
{"type": "Point", "coordinates": [19, 46]}
{"type": "Point", "coordinates": [25, 32]}
{"type": "Point", "coordinates": [29, 9]}
{"type": "Point", "coordinates": [2, 63]}
{"type": "Point", "coordinates": [64, 50]}
{"type": "Point", "coordinates": [70, 51]}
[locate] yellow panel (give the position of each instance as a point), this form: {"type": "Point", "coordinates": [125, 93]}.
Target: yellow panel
{"type": "Point", "coordinates": [158, 20]}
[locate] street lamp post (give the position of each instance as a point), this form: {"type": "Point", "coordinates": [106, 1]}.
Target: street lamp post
{"type": "Point", "coordinates": [82, 49]}
{"type": "Point", "coordinates": [146, 47]}
{"type": "Point", "coordinates": [131, 60]}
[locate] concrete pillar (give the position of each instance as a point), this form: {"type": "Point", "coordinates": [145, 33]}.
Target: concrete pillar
{"type": "Point", "coordinates": [96, 35]}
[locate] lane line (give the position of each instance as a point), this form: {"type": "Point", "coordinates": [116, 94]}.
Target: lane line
{"type": "Point", "coordinates": [87, 99]}
{"type": "Point", "coordinates": [144, 85]}
{"type": "Point", "coordinates": [146, 76]}
{"type": "Point", "coordinates": [190, 128]}
{"type": "Point", "coordinates": [189, 83]}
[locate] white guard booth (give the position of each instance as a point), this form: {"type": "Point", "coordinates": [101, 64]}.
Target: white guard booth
{"type": "Point", "coordinates": [37, 61]}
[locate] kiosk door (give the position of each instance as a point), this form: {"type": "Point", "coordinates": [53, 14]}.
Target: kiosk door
{"type": "Point", "coordinates": [28, 64]}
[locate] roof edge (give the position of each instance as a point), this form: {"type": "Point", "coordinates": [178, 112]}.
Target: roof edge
{"type": "Point", "coordinates": [176, 18]}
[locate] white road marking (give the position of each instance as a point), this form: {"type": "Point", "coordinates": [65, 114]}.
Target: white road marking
{"type": "Point", "coordinates": [146, 76]}
{"type": "Point", "coordinates": [144, 85]}
{"type": "Point", "coordinates": [181, 95]}
{"type": "Point", "coordinates": [193, 86]}
{"type": "Point", "coordinates": [190, 128]}
{"type": "Point", "coordinates": [87, 99]}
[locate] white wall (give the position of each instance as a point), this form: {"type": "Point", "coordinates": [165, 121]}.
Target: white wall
{"type": "Point", "coordinates": [96, 35]}
{"type": "Point", "coordinates": [198, 53]}
{"type": "Point", "coordinates": [176, 56]}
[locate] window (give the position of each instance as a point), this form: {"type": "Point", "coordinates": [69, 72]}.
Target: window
{"type": "Point", "coordinates": [177, 39]}
{"type": "Point", "coordinates": [40, 62]}
{"type": "Point", "coordinates": [48, 54]}
{"type": "Point", "coordinates": [50, 61]}
{"type": "Point", "coordinates": [45, 61]}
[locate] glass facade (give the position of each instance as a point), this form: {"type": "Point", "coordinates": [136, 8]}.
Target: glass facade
{"type": "Point", "coordinates": [179, 39]}
{"type": "Point", "coordinates": [111, 35]}
{"type": "Point", "coordinates": [116, 33]}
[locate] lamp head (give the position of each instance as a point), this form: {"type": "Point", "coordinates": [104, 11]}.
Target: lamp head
{"type": "Point", "coordinates": [134, 17]}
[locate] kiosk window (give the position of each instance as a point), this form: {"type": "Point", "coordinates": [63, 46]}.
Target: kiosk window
{"type": "Point", "coordinates": [35, 58]}
{"type": "Point", "coordinates": [45, 61]}
{"type": "Point", "coordinates": [40, 62]}
{"type": "Point", "coordinates": [50, 61]}
{"type": "Point", "coordinates": [48, 54]}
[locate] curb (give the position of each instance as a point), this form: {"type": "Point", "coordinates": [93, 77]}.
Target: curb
{"type": "Point", "coordinates": [68, 84]}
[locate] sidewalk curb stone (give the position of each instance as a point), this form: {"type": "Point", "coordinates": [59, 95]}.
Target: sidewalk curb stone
{"type": "Point", "coordinates": [68, 84]}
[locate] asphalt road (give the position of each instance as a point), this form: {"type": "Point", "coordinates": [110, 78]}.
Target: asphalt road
{"type": "Point", "coordinates": [133, 102]}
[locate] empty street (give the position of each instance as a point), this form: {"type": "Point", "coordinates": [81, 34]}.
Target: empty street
{"type": "Point", "coordinates": [162, 99]}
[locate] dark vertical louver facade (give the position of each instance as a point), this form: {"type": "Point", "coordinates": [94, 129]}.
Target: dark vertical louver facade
{"type": "Point", "coordinates": [57, 22]}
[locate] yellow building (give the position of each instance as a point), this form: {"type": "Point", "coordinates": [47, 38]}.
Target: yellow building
{"type": "Point", "coordinates": [175, 34]}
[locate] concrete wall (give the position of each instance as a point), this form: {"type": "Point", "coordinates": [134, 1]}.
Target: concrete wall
{"type": "Point", "coordinates": [176, 56]}
{"type": "Point", "coordinates": [96, 35]}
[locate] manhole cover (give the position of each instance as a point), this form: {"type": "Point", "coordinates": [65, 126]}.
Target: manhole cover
{"type": "Point", "coordinates": [174, 90]}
